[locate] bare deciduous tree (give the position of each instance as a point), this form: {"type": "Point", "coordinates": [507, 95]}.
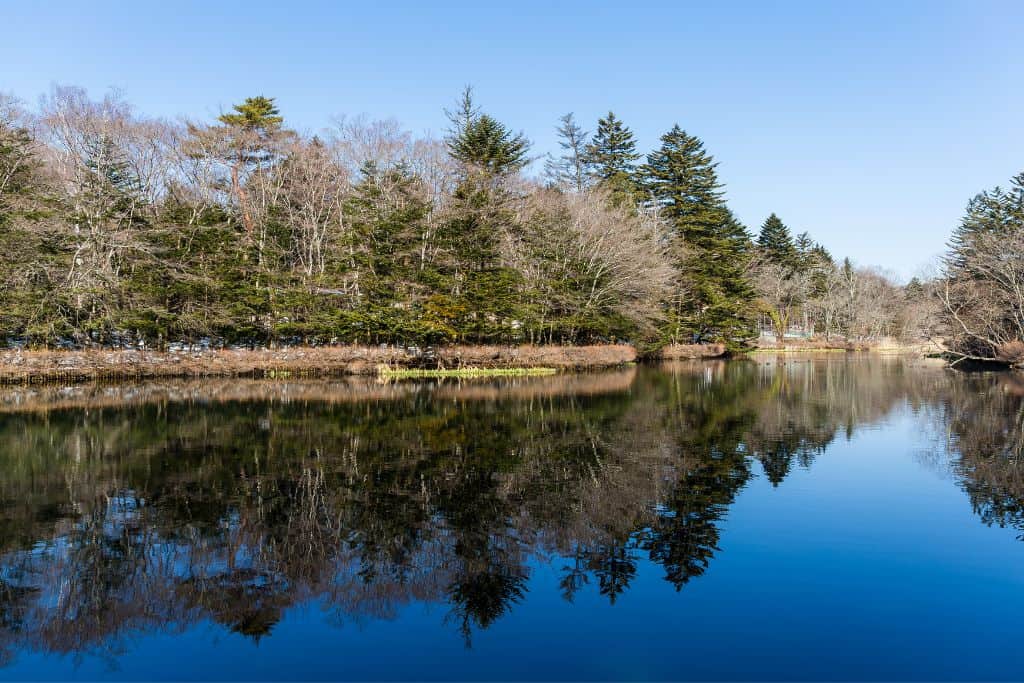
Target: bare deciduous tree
{"type": "Point", "coordinates": [983, 297]}
{"type": "Point", "coordinates": [113, 168]}
{"type": "Point", "coordinates": [313, 196]}
{"type": "Point", "coordinates": [604, 257]}
{"type": "Point", "coordinates": [782, 290]}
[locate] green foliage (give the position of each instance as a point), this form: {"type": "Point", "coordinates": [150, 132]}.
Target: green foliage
{"type": "Point", "coordinates": [612, 152]}
{"type": "Point", "coordinates": [981, 292]}
{"type": "Point", "coordinates": [715, 299]}
{"type": "Point", "coordinates": [33, 301]}
{"type": "Point", "coordinates": [995, 212]}
{"type": "Point", "coordinates": [245, 232]}
{"type": "Point", "coordinates": [18, 165]}
{"type": "Point", "coordinates": [611, 157]}
{"type": "Point", "coordinates": [254, 114]}
{"type": "Point", "coordinates": [681, 175]}
{"type": "Point", "coordinates": [482, 142]}
{"type": "Point", "coordinates": [776, 242]}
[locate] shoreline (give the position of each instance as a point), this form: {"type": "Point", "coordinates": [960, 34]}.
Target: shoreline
{"type": "Point", "coordinates": [19, 367]}
{"type": "Point", "coordinates": [882, 347]}
{"type": "Point", "coordinates": [72, 367]}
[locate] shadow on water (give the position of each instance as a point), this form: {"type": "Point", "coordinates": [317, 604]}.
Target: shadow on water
{"type": "Point", "coordinates": [150, 508]}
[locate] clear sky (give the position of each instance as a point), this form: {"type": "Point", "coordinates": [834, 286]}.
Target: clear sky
{"type": "Point", "coordinates": [869, 124]}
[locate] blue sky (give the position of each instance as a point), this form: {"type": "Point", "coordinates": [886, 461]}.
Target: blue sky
{"type": "Point", "coordinates": [869, 124]}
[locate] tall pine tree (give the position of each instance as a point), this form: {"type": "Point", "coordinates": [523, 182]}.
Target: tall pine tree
{"type": "Point", "coordinates": [250, 129]}
{"type": "Point", "coordinates": [996, 211]}
{"type": "Point", "coordinates": [483, 143]}
{"type": "Point", "coordinates": [715, 299]}
{"type": "Point", "coordinates": [612, 157]}
{"type": "Point", "coordinates": [776, 242]}
{"type": "Point", "coordinates": [476, 292]}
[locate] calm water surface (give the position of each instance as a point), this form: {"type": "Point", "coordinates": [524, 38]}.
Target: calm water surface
{"type": "Point", "coordinates": [796, 518]}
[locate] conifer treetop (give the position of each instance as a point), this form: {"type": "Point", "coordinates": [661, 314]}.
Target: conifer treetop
{"type": "Point", "coordinates": [255, 113]}
{"type": "Point", "coordinates": [612, 152]}
{"type": "Point", "coordinates": [481, 141]}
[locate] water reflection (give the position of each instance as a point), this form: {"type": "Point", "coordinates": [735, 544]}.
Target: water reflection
{"type": "Point", "coordinates": [164, 505]}
{"type": "Point", "coordinates": [984, 419]}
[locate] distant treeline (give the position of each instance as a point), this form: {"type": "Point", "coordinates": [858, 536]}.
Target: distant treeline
{"type": "Point", "coordinates": [120, 228]}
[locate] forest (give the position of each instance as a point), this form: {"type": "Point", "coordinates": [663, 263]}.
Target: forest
{"type": "Point", "coordinates": [120, 229]}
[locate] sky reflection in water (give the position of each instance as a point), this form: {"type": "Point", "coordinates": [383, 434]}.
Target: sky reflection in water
{"type": "Point", "coordinates": [833, 518]}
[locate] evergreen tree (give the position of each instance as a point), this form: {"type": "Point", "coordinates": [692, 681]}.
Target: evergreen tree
{"type": "Point", "coordinates": [715, 301]}
{"type": "Point", "coordinates": [258, 114]}
{"type": "Point", "coordinates": [18, 162]}
{"type": "Point", "coordinates": [386, 216]}
{"type": "Point", "coordinates": [476, 292]}
{"type": "Point", "coordinates": [571, 168]}
{"type": "Point", "coordinates": [250, 132]}
{"type": "Point", "coordinates": [612, 152]}
{"type": "Point", "coordinates": [996, 211]}
{"type": "Point", "coordinates": [804, 244]}
{"type": "Point", "coordinates": [776, 242]}
{"type": "Point", "coordinates": [822, 255]}
{"type": "Point", "coordinates": [612, 157]}
{"type": "Point", "coordinates": [30, 300]}
{"type": "Point", "coordinates": [984, 268]}
{"type": "Point", "coordinates": [113, 190]}
{"type": "Point", "coordinates": [482, 142]}
{"type": "Point", "coordinates": [115, 227]}
{"type": "Point", "coordinates": [810, 255]}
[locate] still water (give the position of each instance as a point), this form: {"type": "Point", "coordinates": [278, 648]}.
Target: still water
{"type": "Point", "coordinates": [791, 518]}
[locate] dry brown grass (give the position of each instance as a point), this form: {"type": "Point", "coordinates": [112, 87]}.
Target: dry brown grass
{"type": "Point", "coordinates": [21, 367]}
{"type": "Point", "coordinates": [1011, 353]}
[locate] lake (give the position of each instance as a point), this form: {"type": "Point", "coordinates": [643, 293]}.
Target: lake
{"type": "Point", "coordinates": [836, 517]}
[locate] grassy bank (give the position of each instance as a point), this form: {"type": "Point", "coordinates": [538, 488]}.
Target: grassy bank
{"type": "Point", "coordinates": [28, 367]}
{"type": "Point", "coordinates": [69, 367]}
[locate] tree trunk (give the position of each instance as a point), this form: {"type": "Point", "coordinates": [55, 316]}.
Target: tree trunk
{"type": "Point", "coordinates": [243, 201]}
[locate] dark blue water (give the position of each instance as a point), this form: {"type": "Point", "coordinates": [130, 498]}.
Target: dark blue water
{"type": "Point", "coordinates": [795, 519]}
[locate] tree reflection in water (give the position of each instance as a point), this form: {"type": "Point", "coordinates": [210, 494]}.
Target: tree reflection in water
{"type": "Point", "coordinates": [174, 503]}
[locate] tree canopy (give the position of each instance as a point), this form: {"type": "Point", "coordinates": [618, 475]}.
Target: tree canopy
{"type": "Point", "coordinates": [121, 228]}
{"type": "Point", "coordinates": [715, 301]}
